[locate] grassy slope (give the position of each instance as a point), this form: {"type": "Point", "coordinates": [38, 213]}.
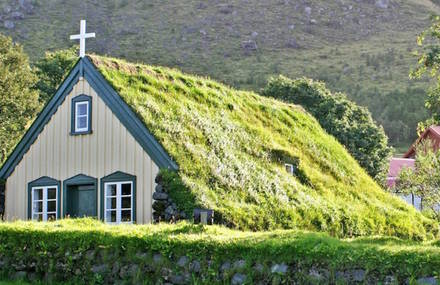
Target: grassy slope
{"type": "Point", "coordinates": [353, 45]}
{"type": "Point", "coordinates": [380, 255]}
{"type": "Point", "coordinates": [231, 146]}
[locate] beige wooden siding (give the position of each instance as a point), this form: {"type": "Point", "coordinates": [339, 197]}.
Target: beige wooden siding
{"type": "Point", "coordinates": [59, 155]}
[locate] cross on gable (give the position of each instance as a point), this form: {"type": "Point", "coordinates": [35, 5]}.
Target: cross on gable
{"type": "Point", "coordinates": [82, 38]}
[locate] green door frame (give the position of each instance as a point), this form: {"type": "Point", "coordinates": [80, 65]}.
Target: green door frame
{"type": "Point", "coordinates": [78, 180]}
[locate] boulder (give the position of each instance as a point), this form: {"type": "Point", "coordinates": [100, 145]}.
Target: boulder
{"type": "Point", "coordinates": [9, 25]}
{"type": "Point", "coordinates": [249, 45]}
{"type": "Point", "coordinates": [427, 281]}
{"type": "Point", "coordinates": [183, 261]}
{"type": "Point", "coordinates": [99, 269]}
{"type": "Point", "coordinates": [159, 188]}
{"type": "Point", "coordinates": [195, 266]}
{"type": "Point", "coordinates": [225, 8]}
{"type": "Point", "coordinates": [226, 266]}
{"type": "Point", "coordinates": [292, 43]}
{"type": "Point", "coordinates": [160, 196]}
{"type": "Point", "coordinates": [239, 264]}
{"type": "Point", "coordinates": [178, 279]}
{"type": "Point", "coordinates": [238, 279]}
{"type": "Point", "coordinates": [157, 258]}
{"type": "Point", "coordinates": [279, 268]}
{"type": "Point", "coordinates": [17, 15]}
{"type": "Point", "coordinates": [383, 4]}
{"type": "Point", "coordinates": [258, 267]}
{"type": "Point", "coordinates": [128, 271]}
{"type": "Point", "coordinates": [308, 11]}
{"type": "Point", "coordinates": [358, 275]}
{"type": "Point", "coordinates": [169, 210]}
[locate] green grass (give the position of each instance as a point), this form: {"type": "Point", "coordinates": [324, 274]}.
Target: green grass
{"type": "Point", "coordinates": [378, 255]}
{"type": "Point", "coordinates": [231, 147]}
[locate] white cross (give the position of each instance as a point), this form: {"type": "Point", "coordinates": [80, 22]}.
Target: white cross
{"type": "Point", "coordinates": [82, 38]}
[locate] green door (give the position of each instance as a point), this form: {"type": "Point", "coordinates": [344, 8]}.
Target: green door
{"type": "Point", "coordinates": [81, 201]}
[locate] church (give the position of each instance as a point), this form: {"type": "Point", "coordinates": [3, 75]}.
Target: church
{"type": "Point", "coordinates": [86, 154]}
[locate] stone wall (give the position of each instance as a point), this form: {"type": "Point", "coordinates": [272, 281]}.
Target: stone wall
{"type": "Point", "coordinates": [165, 210]}
{"type": "Point", "coordinates": [103, 266]}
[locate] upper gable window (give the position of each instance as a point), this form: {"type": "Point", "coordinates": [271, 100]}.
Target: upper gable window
{"type": "Point", "coordinates": [81, 115]}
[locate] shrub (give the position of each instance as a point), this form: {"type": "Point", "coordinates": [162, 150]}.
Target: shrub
{"type": "Point", "coordinates": [351, 124]}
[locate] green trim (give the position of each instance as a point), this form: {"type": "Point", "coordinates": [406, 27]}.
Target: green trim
{"type": "Point", "coordinates": [122, 111]}
{"type": "Point", "coordinates": [37, 126]}
{"type": "Point", "coordinates": [44, 181]}
{"type": "Point", "coordinates": [79, 179]}
{"type": "Point", "coordinates": [80, 98]}
{"type": "Point", "coordinates": [127, 117]}
{"type": "Point", "coordinates": [119, 176]}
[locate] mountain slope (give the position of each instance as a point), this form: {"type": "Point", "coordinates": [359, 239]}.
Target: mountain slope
{"type": "Point", "coordinates": [231, 147]}
{"type": "Point", "coordinates": [360, 47]}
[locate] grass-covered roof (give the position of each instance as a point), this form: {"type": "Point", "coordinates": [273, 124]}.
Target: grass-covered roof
{"type": "Point", "coordinates": [231, 147]}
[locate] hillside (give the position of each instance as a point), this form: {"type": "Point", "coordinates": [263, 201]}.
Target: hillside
{"type": "Point", "coordinates": [231, 147]}
{"type": "Point", "coordinates": [360, 47]}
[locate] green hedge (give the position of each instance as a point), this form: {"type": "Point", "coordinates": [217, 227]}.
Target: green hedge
{"type": "Point", "coordinates": [87, 251]}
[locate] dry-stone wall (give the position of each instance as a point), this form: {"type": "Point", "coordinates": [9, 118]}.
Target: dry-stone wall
{"type": "Point", "coordinates": [108, 267]}
{"type": "Point", "coordinates": [164, 207]}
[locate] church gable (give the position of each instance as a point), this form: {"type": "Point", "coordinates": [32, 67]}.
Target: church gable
{"type": "Point", "coordinates": [86, 70]}
{"type": "Point", "coordinates": [70, 158]}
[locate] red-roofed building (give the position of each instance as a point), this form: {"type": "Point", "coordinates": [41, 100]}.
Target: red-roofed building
{"type": "Point", "coordinates": [432, 133]}
{"type": "Point", "coordinates": [396, 165]}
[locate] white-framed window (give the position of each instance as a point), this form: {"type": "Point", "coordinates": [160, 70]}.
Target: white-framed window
{"type": "Point", "coordinates": [118, 202]}
{"type": "Point", "coordinates": [289, 168]}
{"type": "Point", "coordinates": [44, 203]}
{"type": "Point", "coordinates": [82, 116]}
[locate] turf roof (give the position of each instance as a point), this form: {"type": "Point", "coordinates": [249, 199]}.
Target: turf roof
{"type": "Point", "coordinates": [231, 147]}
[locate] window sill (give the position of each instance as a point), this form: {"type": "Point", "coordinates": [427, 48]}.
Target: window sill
{"type": "Point", "coordinates": [81, 133]}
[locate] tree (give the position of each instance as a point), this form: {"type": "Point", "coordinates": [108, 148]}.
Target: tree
{"type": "Point", "coordinates": [428, 56]}
{"type": "Point", "coordinates": [52, 69]}
{"type": "Point", "coordinates": [351, 124]}
{"type": "Point", "coordinates": [424, 180]}
{"type": "Point", "coordinates": [18, 99]}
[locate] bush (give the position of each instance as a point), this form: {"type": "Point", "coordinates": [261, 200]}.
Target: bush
{"type": "Point", "coordinates": [351, 124]}
{"type": "Point", "coordinates": [86, 251]}
{"type": "Point", "coordinates": [18, 102]}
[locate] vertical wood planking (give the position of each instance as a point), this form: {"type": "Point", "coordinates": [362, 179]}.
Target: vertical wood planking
{"type": "Point", "coordinates": [59, 155]}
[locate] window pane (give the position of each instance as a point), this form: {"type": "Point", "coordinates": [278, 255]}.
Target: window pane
{"type": "Point", "coordinates": [52, 206]}
{"type": "Point", "coordinates": [126, 189]}
{"type": "Point", "coordinates": [38, 194]}
{"type": "Point", "coordinates": [51, 217]}
{"type": "Point", "coordinates": [81, 122]}
{"type": "Point", "coordinates": [37, 217]}
{"type": "Point", "coordinates": [111, 190]}
{"type": "Point", "coordinates": [111, 203]}
{"type": "Point", "coordinates": [81, 109]}
{"type": "Point", "coordinates": [110, 216]}
{"type": "Point", "coordinates": [126, 216]}
{"type": "Point", "coordinates": [37, 207]}
{"type": "Point", "coordinates": [126, 202]}
{"type": "Point", "coordinates": [51, 193]}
